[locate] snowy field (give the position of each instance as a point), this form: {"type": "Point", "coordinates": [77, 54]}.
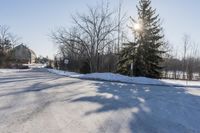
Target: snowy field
{"type": "Point", "coordinates": [36, 101]}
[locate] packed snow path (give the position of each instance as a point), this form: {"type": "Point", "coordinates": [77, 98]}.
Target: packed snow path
{"type": "Point", "coordinates": [36, 101]}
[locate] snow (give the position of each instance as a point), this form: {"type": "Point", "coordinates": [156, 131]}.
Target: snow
{"type": "Point", "coordinates": [125, 79]}
{"type": "Point", "coordinates": [12, 70]}
{"type": "Point", "coordinates": [31, 66]}
{"type": "Point", "coordinates": [182, 82]}
{"type": "Point", "coordinates": [36, 65]}
{"type": "Point", "coordinates": [36, 101]}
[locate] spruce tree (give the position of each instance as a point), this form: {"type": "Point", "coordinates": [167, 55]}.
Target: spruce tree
{"type": "Point", "coordinates": [126, 56]}
{"type": "Point", "coordinates": [148, 35]}
{"type": "Point", "coordinates": [150, 39]}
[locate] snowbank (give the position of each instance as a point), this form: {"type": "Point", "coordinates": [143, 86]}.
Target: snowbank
{"type": "Point", "coordinates": [126, 79]}
{"type": "Point", "coordinates": [12, 70]}
{"type": "Point", "coordinates": [120, 78]}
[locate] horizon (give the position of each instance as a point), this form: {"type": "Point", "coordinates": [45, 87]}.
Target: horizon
{"type": "Point", "coordinates": [34, 20]}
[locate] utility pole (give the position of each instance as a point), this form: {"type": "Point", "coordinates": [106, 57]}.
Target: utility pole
{"type": "Point", "coordinates": [132, 69]}
{"type": "Point", "coordinates": [119, 27]}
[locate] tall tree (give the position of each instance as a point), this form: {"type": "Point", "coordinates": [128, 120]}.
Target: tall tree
{"type": "Point", "coordinates": [150, 41]}
{"type": "Point", "coordinates": [93, 33]}
{"type": "Point", "coordinates": [149, 37]}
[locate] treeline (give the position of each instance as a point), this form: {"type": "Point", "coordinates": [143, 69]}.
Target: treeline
{"type": "Point", "coordinates": [182, 69]}
{"type": "Point", "coordinates": [99, 41]}
{"type": "Point", "coordinates": [186, 64]}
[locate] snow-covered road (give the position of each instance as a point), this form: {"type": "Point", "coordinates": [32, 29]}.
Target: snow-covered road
{"type": "Point", "coordinates": [36, 101]}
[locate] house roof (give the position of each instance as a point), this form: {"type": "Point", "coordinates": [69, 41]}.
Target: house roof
{"type": "Point", "coordinates": [25, 47]}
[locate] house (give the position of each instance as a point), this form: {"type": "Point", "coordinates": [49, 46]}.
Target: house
{"type": "Point", "coordinates": [22, 54]}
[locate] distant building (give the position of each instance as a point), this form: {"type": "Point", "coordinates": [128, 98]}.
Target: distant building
{"type": "Point", "coordinates": [22, 54]}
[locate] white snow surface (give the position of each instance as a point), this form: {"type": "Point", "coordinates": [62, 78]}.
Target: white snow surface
{"type": "Point", "coordinates": [36, 101]}
{"type": "Point", "coordinates": [12, 70]}
{"type": "Point", "coordinates": [126, 79]}
{"type": "Point", "coordinates": [31, 66]}
{"type": "Point", "coordinates": [36, 65]}
{"type": "Point", "coordinates": [182, 82]}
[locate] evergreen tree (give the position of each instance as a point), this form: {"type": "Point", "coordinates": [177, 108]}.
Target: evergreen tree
{"type": "Point", "coordinates": [148, 35]}
{"type": "Point", "coordinates": [5, 48]}
{"type": "Point", "coordinates": [150, 39]}
{"type": "Point", "coordinates": [126, 57]}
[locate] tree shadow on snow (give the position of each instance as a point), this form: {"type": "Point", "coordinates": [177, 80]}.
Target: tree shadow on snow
{"type": "Point", "coordinates": [153, 109]}
{"type": "Point", "coordinates": [39, 90]}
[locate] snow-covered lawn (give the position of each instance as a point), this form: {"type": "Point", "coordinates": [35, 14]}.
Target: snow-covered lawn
{"type": "Point", "coordinates": [35, 65]}
{"type": "Point", "coordinates": [36, 101]}
{"type": "Point", "coordinates": [182, 82]}
{"type": "Point", "coordinates": [31, 66]}
{"type": "Point", "coordinates": [12, 70]}
{"type": "Point", "coordinates": [125, 79]}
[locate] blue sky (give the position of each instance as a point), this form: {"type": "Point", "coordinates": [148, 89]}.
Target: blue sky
{"type": "Point", "coordinates": [33, 20]}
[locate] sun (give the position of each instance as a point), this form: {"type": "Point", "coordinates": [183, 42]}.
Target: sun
{"type": "Point", "coordinates": [137, 27]}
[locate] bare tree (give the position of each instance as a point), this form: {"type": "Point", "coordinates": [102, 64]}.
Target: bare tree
{"type": "Point", "coordinates": [186, 45]}
{"type": "Point", "coordinates": [167, 58]}
{"type": "Point", "coordinates": [6, 34]}
{"type": "Point", "coordinates": [190, 53]}
{"type": "Point", "coordinates": [122, 19]}
{"type": "Point", "coordinates": [91, 34]}
{"type": "Point", "coordinates": [191, 61]}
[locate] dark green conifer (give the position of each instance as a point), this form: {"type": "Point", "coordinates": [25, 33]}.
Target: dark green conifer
{"type": "Point", "coordinates": [149, 40]}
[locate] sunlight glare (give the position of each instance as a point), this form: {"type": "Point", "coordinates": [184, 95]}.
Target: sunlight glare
{"type": "Point", "coordinates": [137, 27]}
